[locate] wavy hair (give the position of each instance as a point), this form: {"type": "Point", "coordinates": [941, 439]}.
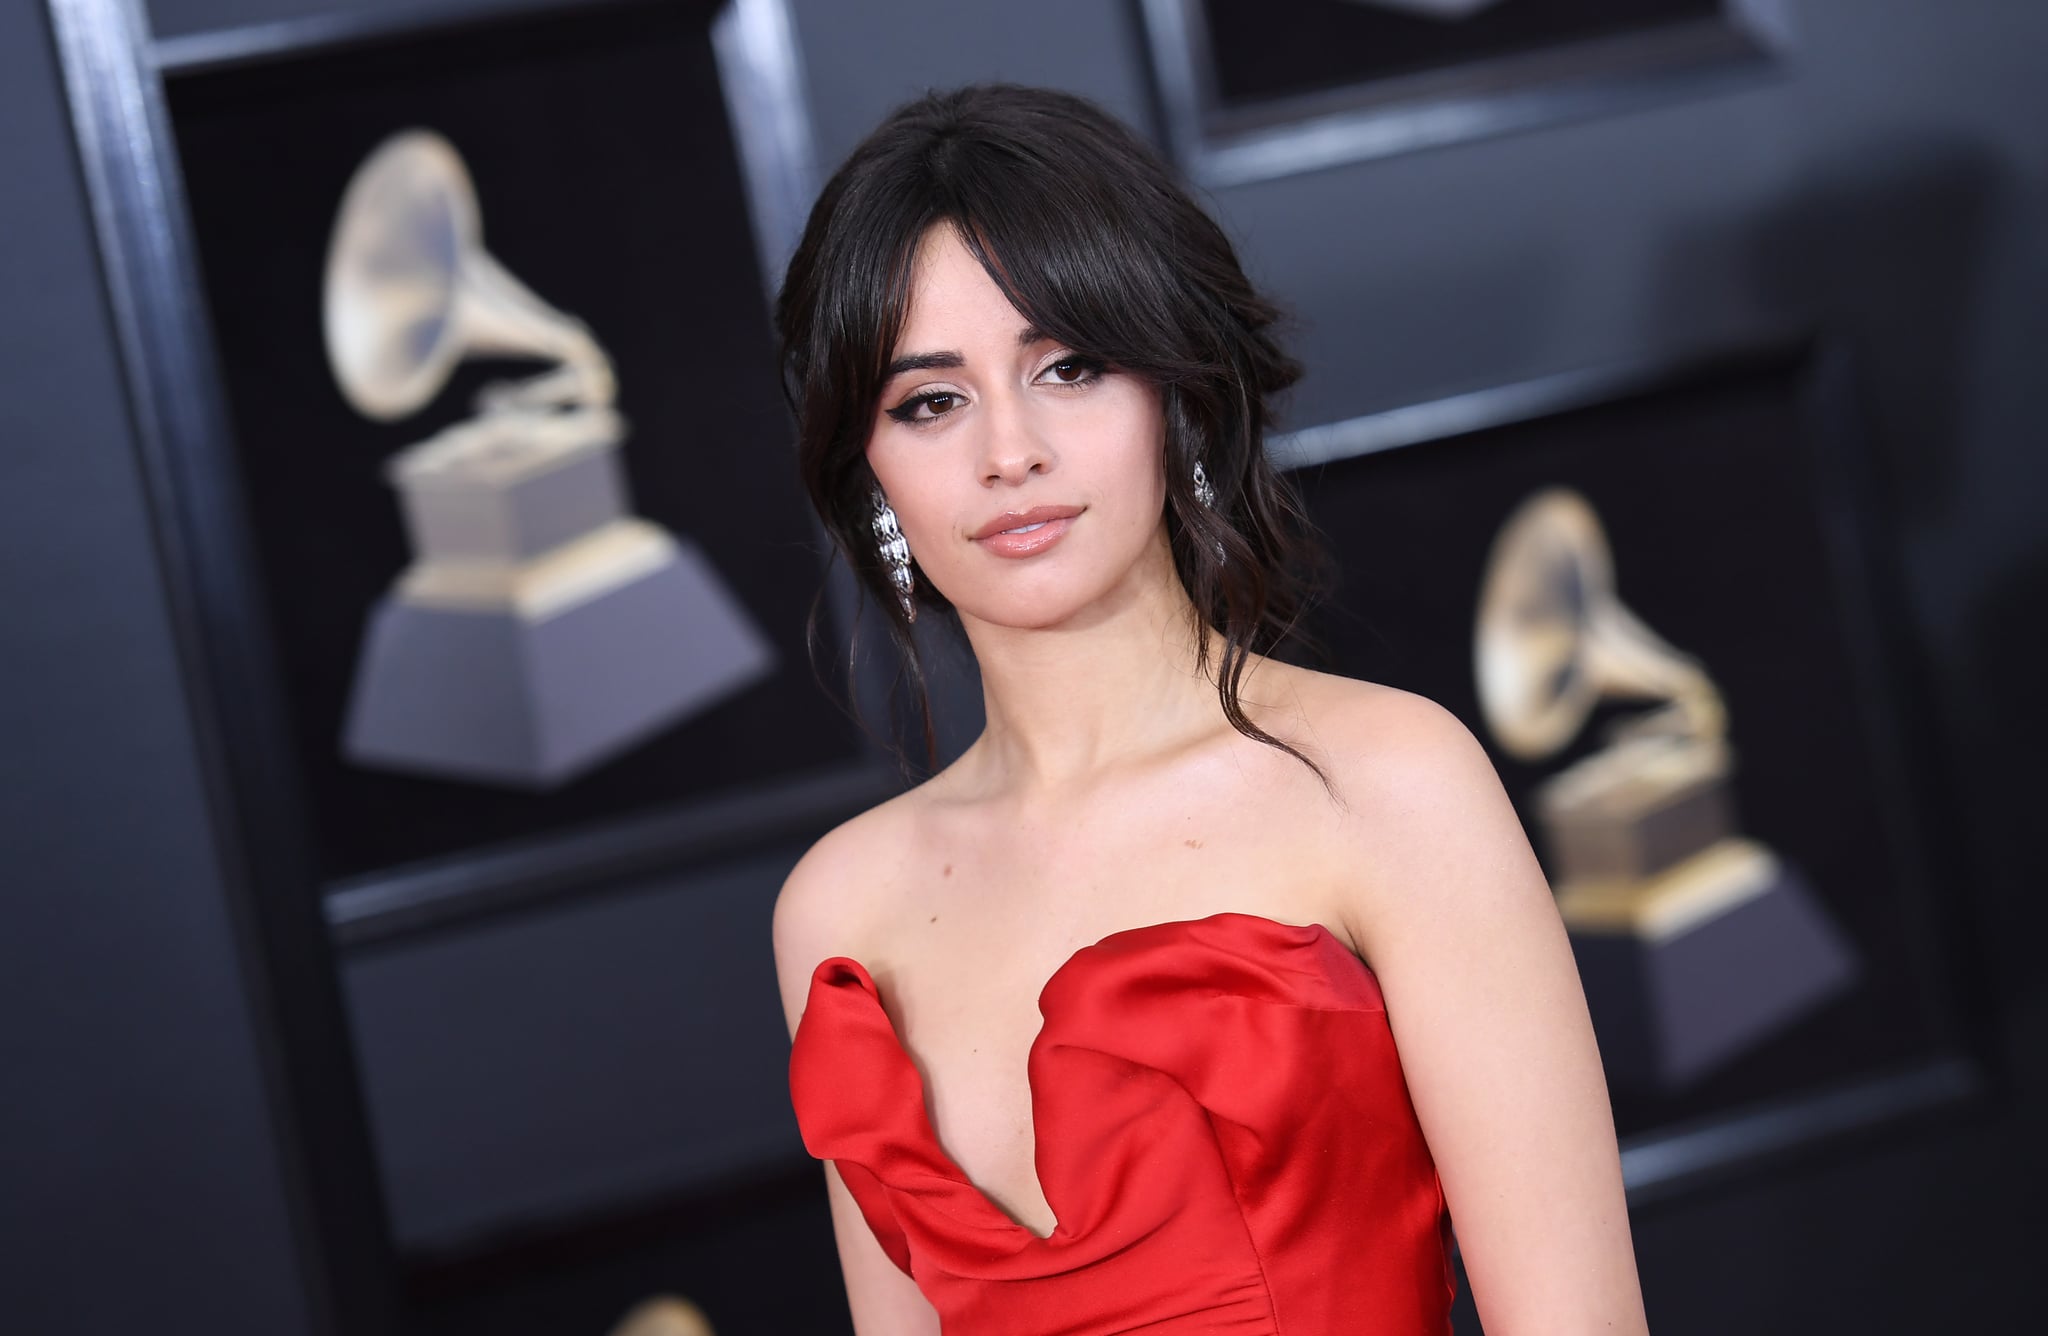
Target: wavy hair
{"type": "Point", "coordinates": [1091, 236]}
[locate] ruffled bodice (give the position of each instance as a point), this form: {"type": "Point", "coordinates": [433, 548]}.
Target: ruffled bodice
{"type": "Point", "coordinates": [1222, 1132]}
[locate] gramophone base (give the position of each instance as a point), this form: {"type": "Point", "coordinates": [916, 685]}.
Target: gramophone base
{"type": "Point", "coordinates": [1668, 1010]}
{"type": "Point", "coordinates": [491, 697]}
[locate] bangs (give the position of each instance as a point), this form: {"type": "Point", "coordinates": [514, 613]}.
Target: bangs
{"type": "Point", "coordinates": [1062, 262]}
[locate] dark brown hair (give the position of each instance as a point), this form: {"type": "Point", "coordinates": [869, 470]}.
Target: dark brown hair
{"type": "Point", "coordinates": [1095, 241]}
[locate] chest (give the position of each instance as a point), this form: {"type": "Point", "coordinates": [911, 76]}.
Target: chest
{"type": "Point", "coordinates": [988, 915]}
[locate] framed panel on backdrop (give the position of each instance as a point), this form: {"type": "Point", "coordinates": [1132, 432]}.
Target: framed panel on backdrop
{"type": "Point", "coordinates": [452, 381]}
{"type": "Point", "coordinates": [1665, 599]}
{"type": "Point", "coordinates": [505, 433]}
{"type": "Point", "coordinates": [1254, 89]}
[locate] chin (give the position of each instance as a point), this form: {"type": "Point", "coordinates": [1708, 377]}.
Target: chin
{"type": "Point", "coordinates": [1045, 593]}
{"type": "Point", "coordinates": [1028, 609]}
{"type": "Point", "coordinates": [1026, 614]}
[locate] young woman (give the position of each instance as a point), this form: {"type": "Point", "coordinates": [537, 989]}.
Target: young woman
{"type": "Point", "coordinates": [1203, 990]}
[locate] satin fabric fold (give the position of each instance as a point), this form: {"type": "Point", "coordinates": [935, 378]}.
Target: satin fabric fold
{"type": "Point", "coordinates": [1222, 1131]}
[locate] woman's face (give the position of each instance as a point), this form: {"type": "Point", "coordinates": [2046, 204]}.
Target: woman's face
{"type": "Point", "coordinates": [983, 420]}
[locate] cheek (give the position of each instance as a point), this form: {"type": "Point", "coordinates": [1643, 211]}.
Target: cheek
{"type": "Point", "coordinates": [895, 471]}
{"type": "Point", "coordinates": [1142, 456]}
{"type": "Point", "coordinates": [920, 513]}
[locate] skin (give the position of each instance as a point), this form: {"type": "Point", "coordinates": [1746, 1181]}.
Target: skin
{"type": "Point", "coordinates": [1108, 792]}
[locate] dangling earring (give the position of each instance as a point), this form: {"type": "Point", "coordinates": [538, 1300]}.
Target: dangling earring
{"type": "Point", "coordinates": [895, 553]}
{"type": "Point", "coordinates": [1206, 494]}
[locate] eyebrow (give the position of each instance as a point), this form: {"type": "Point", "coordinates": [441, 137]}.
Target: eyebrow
{"type": "Point", "coordinates": [1027, 336]}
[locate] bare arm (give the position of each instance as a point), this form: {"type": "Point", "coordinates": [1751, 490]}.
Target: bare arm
{"type": "Point", "coordinates": [1489, 1017]}
{"type": "Point", "coordinates": [810, 927]}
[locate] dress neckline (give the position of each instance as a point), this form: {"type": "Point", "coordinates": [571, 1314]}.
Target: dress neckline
{"type": "Point", "coordinates": [1001, 1219]}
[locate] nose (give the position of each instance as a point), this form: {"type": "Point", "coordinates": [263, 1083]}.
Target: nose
{"type": "Point", "coordinates": [1012, 447]}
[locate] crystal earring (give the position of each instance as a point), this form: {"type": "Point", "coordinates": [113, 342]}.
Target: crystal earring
{"type": "Point", "coordinates": [895, 552]}
{"type": "Point", "coordinates": [1206, 494]}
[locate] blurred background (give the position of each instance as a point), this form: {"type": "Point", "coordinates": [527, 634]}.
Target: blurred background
{"type": "Point", "coordinates": [407, 719]}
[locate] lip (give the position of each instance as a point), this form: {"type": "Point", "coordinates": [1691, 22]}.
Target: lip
{"type": "Point", "coordinates": [1053, 522]}
{"type": "Point", "coordinates": [1012, 519]}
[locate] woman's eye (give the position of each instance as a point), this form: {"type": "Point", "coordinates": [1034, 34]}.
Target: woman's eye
{"type": "Point", "coordinates": [1087, 367]}
{"type": "Point", "coordinates": [907, 410]}
{"type": "Point", "coordinates": [1083, 370]}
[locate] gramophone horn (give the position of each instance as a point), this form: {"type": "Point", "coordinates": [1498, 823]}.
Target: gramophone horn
{"type": "Point", "coordinates": [410, 290]}
{"type": "Point", "coordinates": [1552, 639]}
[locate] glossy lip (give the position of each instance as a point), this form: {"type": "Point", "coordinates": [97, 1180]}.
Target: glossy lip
{"type": "Point", "coordinates": [1053, 522]}
{"type": "Point", "coordinates": [1016, 519]}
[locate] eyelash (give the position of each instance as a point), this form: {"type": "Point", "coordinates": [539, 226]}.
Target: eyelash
{"type": "Point", "coordinates": [906, 411]}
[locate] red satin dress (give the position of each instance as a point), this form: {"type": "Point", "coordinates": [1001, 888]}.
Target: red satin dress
{"type": "Point", "coordinates": [1223, 1134]}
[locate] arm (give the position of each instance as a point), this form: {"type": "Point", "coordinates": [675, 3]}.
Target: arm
{"type": "Point", "coordinates": [1483, 996]}
{"type": "Point", "coordinates": [808, 928]}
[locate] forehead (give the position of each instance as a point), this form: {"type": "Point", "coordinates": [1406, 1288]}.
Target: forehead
{"type": "Point", "coordinates": [951, 294]}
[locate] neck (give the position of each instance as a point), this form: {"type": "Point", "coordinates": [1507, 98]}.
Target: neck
{"type": "Point", "coordinates": [1116, 685]}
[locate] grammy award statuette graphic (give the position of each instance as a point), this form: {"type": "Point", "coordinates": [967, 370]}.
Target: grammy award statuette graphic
{"type": "Point", "coordinates": [541, 628]}
{"type": "Point", "coordinates": [1694, 942]}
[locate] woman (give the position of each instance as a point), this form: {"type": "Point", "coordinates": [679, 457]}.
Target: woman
{"type": "Point", "coordinates": [1202, 990]}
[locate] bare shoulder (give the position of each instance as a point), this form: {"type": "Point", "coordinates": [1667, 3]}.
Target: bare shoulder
{"type": "Point", "coordinates": [1384, 740]}
{"type": "Point", "coordinates": [834, 893]}
{"type": "Point", "coordinates": [1420, 792]}
{"type": "Point", "coordinates": [1447, 902]}
{"type": "Point", "coordinates": [1377, 741]}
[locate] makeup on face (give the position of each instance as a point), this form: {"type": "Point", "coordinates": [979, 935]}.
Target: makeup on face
{"type": "Point", "coordinates": [990, 431]}
{"type": "Point", "coordinates": [1026, 533]}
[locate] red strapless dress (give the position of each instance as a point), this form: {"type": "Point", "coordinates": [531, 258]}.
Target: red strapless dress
{"type": "Point", "coordinates": [1223, 1134]}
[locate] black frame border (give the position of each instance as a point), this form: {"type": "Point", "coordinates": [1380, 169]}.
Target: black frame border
{"type": "Point", "coordinates": [177, 405]}
{"type": "Point", "coordinates": [1378, 118]}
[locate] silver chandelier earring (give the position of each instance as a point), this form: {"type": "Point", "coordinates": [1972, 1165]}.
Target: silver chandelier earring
{"type": "Point", "coordinates": [895, 552]}
{"type": "Point", "coordinates": [1206, 494]}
